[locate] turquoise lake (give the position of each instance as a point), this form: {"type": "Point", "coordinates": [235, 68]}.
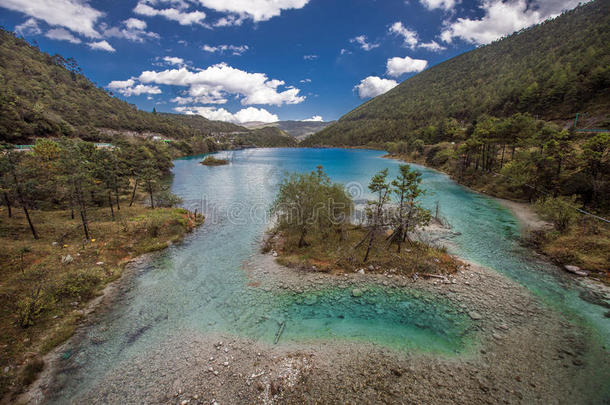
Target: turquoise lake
{"type": "Point", "coordinates": [200, 285]}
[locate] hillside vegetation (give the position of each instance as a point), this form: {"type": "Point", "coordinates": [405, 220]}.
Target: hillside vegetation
{"type": "Point", "coordinates": [266, 137]}
{"type": "Point", "coordinates": [44, 95]}
{"type": "Point", "coordinates": [553, 70]}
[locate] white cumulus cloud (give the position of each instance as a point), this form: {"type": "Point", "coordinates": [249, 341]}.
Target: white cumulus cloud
{"type": "Point", "coordinates": [432, 46]}
{"type": "Point", "coordinates": [62, 34]}
{"type": "Point", "coordinates": [135, 24]}
{"type": "Point", "coordinates": [249, 114]}
{"type": "Point", "coordinates": [315, 118]}
{"type": "Point", "coordinates": [129, 88]}
{"type": "Point", "coordinates": [173, 60]}
{"type": "Point", "coordinates": [442, 4]}
{"type": "Point", "coordinates": [176, 12]}
{"type": "Point", "coordinates": [236, 50]}
{"type": "Point", "coordinates": [502, 18]}
{"type": "Point", "coordinates": [398, 66]}
{"type": "Point", "coordinates": [218, 81]}
{"type": "Point", "coordinates": [131, 29]}
{"type": "Point", "coordinates": [257, 10]}
{"type": "Point", "coordinates": [101, 46]}
{"type": "Point", "coordinates": [28, 27]}
{"type": "Point", "coordinates": [373, 86]}
{"type": "Point", "coordinates": [411, 38]}
{"type": "Point", "coordinates": [76, 15]}
{"type": "Point", "coordinates": [363, 42]}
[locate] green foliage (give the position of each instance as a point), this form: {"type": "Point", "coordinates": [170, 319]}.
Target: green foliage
{"type": "Point", "coordinates": [380, 188]}
{"type": "Point", "coordinates": [213, 161]}
{"type": "Point", "coordinates": [167, 199]}
{"type": "Point", "coordinates": [76, 175]}
{"type": "Point", "coordinates": [561, 211]}
{"type": "Point", "coordinates": [568, 72]}
{"type": "Point", "coordinates": [29, 308]}
{"type": "Point", "coordinates": [78, 285]}
{"type": "Point", "coordinates": [266, 137]}
{"type": "Point", "coordinates": [311, 203]}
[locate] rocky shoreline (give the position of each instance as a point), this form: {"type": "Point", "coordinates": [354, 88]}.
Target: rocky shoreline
{"type": "Point", "coordinates": [526, 353]}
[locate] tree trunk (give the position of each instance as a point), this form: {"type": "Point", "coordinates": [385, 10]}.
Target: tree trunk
{"type": "Point", "coordinates": [110, 203]}
{"type": "Point", "coordinates": [152, 201]}
{"type": "Point", "coordinates": [133, 193]}
{"type": "Point", "coordinates": [85, 227]}
{"type": "Point", "coordinates": [368, 248]}
{"type": "Point", "coordinates": [27, 215]}
{"type": "Point", "coordinates": [116, 194]}
{"type": "Point", "coordinates": [71, 205]}
{"type": "Point", "coordinates": [8, 205]}
{"type": "Point", "coordinates": [399, 239]}
{"type": "Point", "coordinates": [302, 238]}
{"type": "Point", "coordinates": [502, 159]}
{"type": "Point", "coordinates": [24, 204]}
{"type": "Point", "coordinates": [83, 212]}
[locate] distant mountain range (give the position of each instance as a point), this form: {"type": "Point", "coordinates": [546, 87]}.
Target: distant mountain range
{"type": "Point", "coordinates": [297, 129]}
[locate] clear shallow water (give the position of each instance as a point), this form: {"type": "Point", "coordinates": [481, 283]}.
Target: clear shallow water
{"type": "Point", "coordinates": [199, 285]}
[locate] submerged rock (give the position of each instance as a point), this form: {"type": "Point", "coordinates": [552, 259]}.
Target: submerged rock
{"type": "Point", "coordinates": [475, 315]}
{"type": "Point", "coordinates": [356, 292]}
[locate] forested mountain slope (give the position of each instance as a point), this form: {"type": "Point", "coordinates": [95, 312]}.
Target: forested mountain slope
{"type": "Point", "coordinates": [553, 71]}
{"type": "Point", "coordinates": [267, 137]}
{"type": "Point", "coordinates": [43, 95]}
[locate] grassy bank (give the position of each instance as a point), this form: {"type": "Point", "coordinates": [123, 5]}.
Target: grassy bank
{"type": "Point", "coordinates": [46, 283]}
{"type": "Point", "coordinates": [336, 255]}
{"type": "Point", "coordinates": [586, 245]}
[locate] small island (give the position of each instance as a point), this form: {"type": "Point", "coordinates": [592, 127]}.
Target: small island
{"type": "Point", "coordinates": [315, 230]}
{"type": "Point", "coordinates": [212, 161]}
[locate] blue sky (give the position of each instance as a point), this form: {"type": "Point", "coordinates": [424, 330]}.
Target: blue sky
{"type": "Point", "coordinates": [263, 60]}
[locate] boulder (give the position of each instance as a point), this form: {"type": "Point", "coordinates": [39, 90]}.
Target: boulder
{"type": "Point", "coordinates": [67, 259]}
{"type": "Point", "coordinates": [356, 292]}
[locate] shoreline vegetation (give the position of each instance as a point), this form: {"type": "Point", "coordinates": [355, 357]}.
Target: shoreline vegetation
{"type": "Point", "coordinates": [73, 217]}
{"type": "Point", "coordinates": [213, 161]}
{"type": "Point", "coordinates": [552, 226]}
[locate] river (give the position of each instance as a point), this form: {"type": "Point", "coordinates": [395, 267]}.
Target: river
{"type": "Point", "coordinates": [200, 285]}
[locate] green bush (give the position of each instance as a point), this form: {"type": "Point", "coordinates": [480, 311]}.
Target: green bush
{"type": "Point", "coordinates": [29, 308]}
{"type": "Point", "coordinates": [561, 211]}
{"type": "Point", "coordinates": [78, 285]}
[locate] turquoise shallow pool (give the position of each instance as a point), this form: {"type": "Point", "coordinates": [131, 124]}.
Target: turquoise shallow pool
{"type": "Point", "coordinates": [199, 284]}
